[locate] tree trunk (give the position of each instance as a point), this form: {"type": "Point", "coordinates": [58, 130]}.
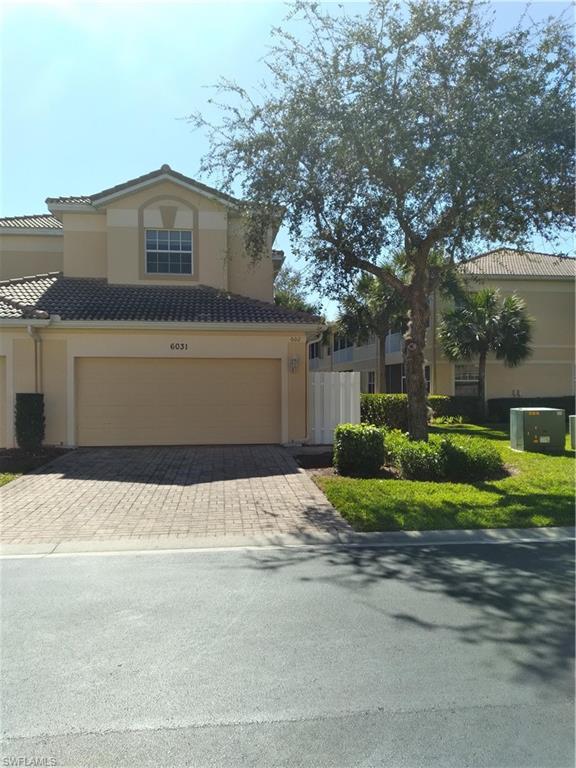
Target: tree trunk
{"type": "Point", "coordinates": [414, 342]}
{"type": "Point", "coordinates": [382, 362]}
{"type": "Point", "coordinates": [482, 385]}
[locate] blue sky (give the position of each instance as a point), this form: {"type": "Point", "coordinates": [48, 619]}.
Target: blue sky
{"type": "Point", "coordinates": [94, 93]}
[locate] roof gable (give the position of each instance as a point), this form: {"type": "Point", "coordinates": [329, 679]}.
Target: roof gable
{"type": "Point", "coordinates": [165, 173]}
{"type": "Point", "coordinates": [510, 263]}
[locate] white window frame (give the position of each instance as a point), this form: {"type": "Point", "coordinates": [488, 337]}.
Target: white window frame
{"type": "Point", "coordinates": [470, 378]}
{"type": "Point", "coordinates": [169, 252]}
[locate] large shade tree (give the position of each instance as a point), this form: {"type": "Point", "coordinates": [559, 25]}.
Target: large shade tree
{"type": "Point", "coordinates": [484, 323]}
{"type": "Point", "coordinates": [291, 290]}
{"type": "Point", "coordinates": [409, 127]}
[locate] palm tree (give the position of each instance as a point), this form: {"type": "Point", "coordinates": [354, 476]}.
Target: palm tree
{"type": "Point", "coordinates": [372, 309]}
{"type": "Point", "coordinates": [484, 323]}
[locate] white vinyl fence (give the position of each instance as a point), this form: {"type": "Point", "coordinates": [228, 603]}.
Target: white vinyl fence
{"type": "Point", "coordinates": [334, 398]}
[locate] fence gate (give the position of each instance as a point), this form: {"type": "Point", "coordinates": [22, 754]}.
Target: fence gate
{"type": "Point", "coordinates": [334, 398]}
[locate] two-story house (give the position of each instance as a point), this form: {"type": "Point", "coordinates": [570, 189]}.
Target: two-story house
{"type": "Point", "coordinates": [545, 282]}
{"type": "Point", "coordinates": [139, 316]}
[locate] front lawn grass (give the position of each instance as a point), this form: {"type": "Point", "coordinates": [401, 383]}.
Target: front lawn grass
{"type": "Point", "coordinates": [6, 477]}
{"type": "Point", "coordinates": [538, 492]}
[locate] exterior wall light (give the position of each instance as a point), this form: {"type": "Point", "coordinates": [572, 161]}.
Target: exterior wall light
{"type": "Point", "coordinates": [293, 363]}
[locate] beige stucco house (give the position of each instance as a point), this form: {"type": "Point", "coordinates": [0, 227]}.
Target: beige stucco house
{"type": "Point", "coordinates": [546, 283]}
{"type": "Point", "coordinates": [138, 314]}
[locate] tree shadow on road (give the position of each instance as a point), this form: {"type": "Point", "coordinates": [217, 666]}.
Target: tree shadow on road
{"type": "Point", "coordinates": [520, 594]}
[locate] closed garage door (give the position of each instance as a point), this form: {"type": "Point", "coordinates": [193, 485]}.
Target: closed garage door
{"type": "Point", "coordinates": [157, 401]}
{"type": "Point", "coordinates": [3, 430]}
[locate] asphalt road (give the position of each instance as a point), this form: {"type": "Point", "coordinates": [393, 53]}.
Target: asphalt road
{"type": "Point", "coordinates": [446, 656]}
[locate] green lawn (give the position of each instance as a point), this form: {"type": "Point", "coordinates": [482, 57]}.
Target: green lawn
{"type": "Point", "coordinates": [5, 477]}
{"type": "Point", "coordinates": [539, 492]}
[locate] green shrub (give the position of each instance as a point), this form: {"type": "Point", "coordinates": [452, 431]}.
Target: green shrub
{"type": "Point", "coordinates": [448, 420]}
{"type": "Point", "coordinates": [456, 405]}
{"type": "Point", "coordinates": [457, 458]}
{"type": "Point", "coordinates": [385, 411]}
{"type": "Point", "coordinates": [29, 420]}
{"type": "Point", "coordinates": [358, 449]}
{"type": "Point", "coordinates": [418, 460]}
{"type": "Point", "coordinates": [391, 411]}
{"type": "Point", "coordinates": [394, 441]}
{"type": "Point", "coordinates": [470, 458]}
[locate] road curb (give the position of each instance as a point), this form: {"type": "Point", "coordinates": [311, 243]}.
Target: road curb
{"type": "Point", "coordinates": [338, 539]}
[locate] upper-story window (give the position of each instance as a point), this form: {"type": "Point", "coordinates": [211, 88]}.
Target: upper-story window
{"type": "Point", "coordinates": [169, 251]}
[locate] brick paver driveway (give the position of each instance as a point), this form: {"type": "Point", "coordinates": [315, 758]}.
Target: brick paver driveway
{"type": "Point", "coordinates": [110, 493]}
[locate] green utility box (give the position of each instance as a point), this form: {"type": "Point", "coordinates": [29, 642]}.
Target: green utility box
{"type": "Point", "coordinates": [537, 429]}
{"type": "Point", "coordinates": [572, 422]}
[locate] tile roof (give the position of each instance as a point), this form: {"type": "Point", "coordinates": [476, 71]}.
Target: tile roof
{"type": "Point", "coordinates": [35, 221]}
{"type": "Point", "coordinates": [71, 199]}
{"type": "Point", "coordinates": [165, 170]}
{"type": "Point", "coordinates": [508, 262]}
{"type": "Point", "coordinates": [80, 298]}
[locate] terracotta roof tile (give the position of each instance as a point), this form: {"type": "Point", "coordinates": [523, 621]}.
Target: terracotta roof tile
{"type": "Point", "coordinates": [94, 299]}
{"type": "Point", "coordinates": [508, 262]}
{"type": "Point", "coordinates": [35, 221]}
{"type": "Point", "coordinates": [165, 170]}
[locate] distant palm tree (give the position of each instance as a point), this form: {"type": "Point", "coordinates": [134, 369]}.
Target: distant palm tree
{"type": "Point", "coordinates": [372, 309]}
{"type": "Point", "coordinates": [484, 323]}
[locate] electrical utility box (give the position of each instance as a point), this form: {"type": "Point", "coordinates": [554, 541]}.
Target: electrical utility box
{"type": "Point", "coordinates": [572, 422]}
{"type": "Point", "coordinates": [537, 429]}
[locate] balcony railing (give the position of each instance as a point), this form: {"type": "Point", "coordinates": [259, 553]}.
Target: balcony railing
{"type": "Point", "coordinates": [343, 355]}
{"type": "Point", "coordinates": [393, 343]}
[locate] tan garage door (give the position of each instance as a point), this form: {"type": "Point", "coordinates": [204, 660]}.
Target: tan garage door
{"type": "Point", "coordinates": [3, 409]}
{"type": "Point", "coordinates": [145, 401]}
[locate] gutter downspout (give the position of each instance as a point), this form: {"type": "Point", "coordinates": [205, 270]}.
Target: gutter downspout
{"type": "Point", "coordinates": [313, 340]}
{"type": "Point", "coordinates": [35, 336]}
{"type": "Point", "coordinates": [34, 333]}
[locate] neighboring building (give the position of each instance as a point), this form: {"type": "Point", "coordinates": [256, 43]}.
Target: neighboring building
{"type": "Point", "coordinates": [139, 316]}
{"type": "Point", "coordinates": [545, 281]}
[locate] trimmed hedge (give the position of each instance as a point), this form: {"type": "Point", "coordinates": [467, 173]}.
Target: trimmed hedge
{"type": "Point", "coordinates": [418, 460]}
{"type": "Point", "coordinates": [358, 450]}
{"type": "Point", "coordinates": [391, 410]}
{"type": "Point", "coordinates": [454, 457]}
{"type": "Point", "coordinates": [456, 405]}
{"type": "Point", "coordinates": [470, 458]}
{"type": "Point", "coordinates": [499, 407]}
{"type": "Point", "coordinates": [29, 420]}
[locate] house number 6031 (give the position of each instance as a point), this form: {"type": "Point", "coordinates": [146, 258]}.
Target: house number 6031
{"type": "Point", "coordinates": [178, 345]}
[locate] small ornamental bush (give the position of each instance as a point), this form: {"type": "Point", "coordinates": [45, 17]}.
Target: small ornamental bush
{"type": "Point", "coordinates": [29, 420]}
{"type": "Point", "coordinates": [358, 449]}
{"type": "Point", "coordinates": [457, 458]}
{"type": "Point", "coordinates": [418, 460]}
{"type": "Point", "coordinates": [448, 420]}
{"type": "Point", "coordinates": [470, 458]}
{"type": "Point", "coordinates": [394, 441]}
